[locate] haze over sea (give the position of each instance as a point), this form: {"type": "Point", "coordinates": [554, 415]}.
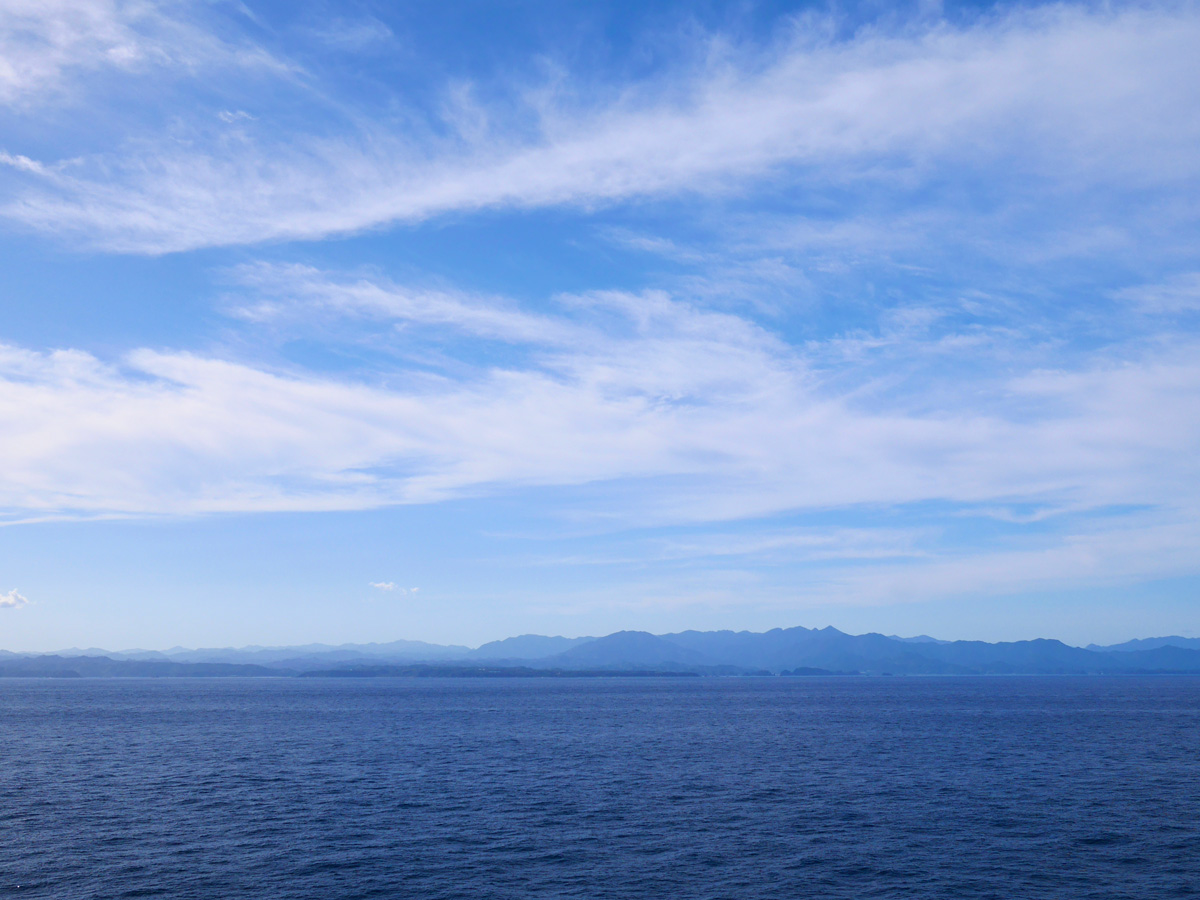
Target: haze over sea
{"type": "Point", "coordinates": [600, 788]}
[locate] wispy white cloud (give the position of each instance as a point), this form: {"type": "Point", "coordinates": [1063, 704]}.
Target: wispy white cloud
{"type": "Point", "coordinates": [23, 164]}
{"type": "Point", "coordinates": [1110, 552]}
{"type": "Point", "coordinates": [1068, 96]}
{"type": "Point", "coordinates": [657, 390]}
{"type": "Point", "coordinates": [287, 292]}
{"type": "Point", "coordinates": [50, 47]}
{"type": "Point", "coordinates": [1024, 137]}
{"type": "Point", "coordinates": [353, 35]}
{"type": "Point", "coordinates": [13, 600]}
{"type": "Point", "coordinates": [1106, 552]}
{"type": "Point", "coordinates": [391, 588]}
{"type": "Point", "coordinates": [1176, 295]}
{"type": "Point", "coordinates": [763, 546]}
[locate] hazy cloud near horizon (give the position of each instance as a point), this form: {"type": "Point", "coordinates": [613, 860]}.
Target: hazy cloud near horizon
{"type": "Point", "coordinates": [13, 600]}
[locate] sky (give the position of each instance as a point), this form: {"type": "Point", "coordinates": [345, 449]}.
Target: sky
{"type": "Point", "coordinates": [359, 321]}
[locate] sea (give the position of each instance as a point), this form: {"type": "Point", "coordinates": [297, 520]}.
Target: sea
{"type": "Point", "coordinates": [688, 788]}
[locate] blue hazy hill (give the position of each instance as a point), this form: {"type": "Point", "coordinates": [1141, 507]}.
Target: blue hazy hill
{"type": "Point", "coordinates": [526, 647]}
{"type": "Point", "coordinates": [825, 648]}
{"type": "Point", "coordinates": [53, 666]}
{"type": "Point", "coordinates": [1041, 655]}
{"type": "Point", "coordinates": [286, 657]}
{"type": "Point", "coordinates": [1162, 659]}
{"type": "Point", "coordinates": [705, 652]}
{"type": "Point", "coordinates": [630, 650]}
{"type": "Point", "coordinates": [1151, 644]}
{"type": "Point", "coordinates": [828, 648]}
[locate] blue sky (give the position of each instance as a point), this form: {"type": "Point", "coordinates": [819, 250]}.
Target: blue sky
{"type": "Point", "coordinates": [364, 321]}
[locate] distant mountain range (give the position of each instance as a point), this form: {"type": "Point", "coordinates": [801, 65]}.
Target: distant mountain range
{"type": "Point", "coordinates": [1152, 644]}
{"type": "Point", "coordinates": [781, 651]}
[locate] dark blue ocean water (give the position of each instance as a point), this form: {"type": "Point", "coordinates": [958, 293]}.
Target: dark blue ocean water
{"type": "Point", "coordinates": [601, 788]}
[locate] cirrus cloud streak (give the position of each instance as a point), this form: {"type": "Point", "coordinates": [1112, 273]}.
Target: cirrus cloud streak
{"type": "Point", "coordinates": [659, 392]}
{"type": "Point", "coordinates": [1069, 97]}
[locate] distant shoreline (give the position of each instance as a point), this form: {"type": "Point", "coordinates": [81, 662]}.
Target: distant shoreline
{"type": "Point", "coordinates": [516, 673]}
